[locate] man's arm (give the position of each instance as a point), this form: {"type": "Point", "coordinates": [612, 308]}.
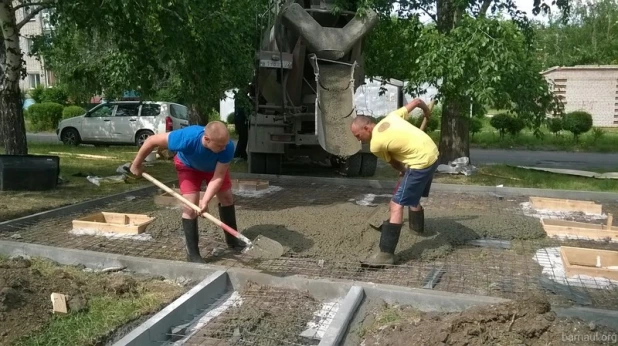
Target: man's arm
{"type": "Point", "coordinates": [158, 140]}
{"type": "Point", "coordinates": [420, 104]}
{"type": "Point", "coordinates": [214, 185]}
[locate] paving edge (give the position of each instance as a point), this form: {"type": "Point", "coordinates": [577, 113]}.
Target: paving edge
{"type": "Point", "coordinates": [455, 188]}
{"type": "Point", "coordinates": [158, 327]}
{"type": "Point", "coordinates": [67, 209]}
{"type": "Point", "coordinates": [340, 323]}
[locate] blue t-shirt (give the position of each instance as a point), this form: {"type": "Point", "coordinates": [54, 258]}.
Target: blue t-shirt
{"type": "Point", "coordinates": [187, 143]}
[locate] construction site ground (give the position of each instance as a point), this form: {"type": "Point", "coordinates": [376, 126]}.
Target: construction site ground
{"type": "Point", "coordinates": [326, 232]}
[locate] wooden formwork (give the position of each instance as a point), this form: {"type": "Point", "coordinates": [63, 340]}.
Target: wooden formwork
{"type": "Point", "coordinates": [114, 222]}
{"type": "Point", "coordinates": [581, 229]}
{"type": "Point", "coordinates": [590, 262]}
{"type": "Point", "coordinates": [250, 184]}
{"type": "Point", "coordinates": [167, 200]}
{"type": "Point", "coordinates": [566, 205]}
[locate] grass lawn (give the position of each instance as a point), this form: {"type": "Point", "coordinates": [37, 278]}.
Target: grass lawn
{"type": "Point", "coordinates": [84, 160]}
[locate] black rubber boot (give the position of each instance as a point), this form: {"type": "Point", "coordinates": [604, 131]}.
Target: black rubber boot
{"type": "Point", "coordinates": [189, 226]}
{"type": "Point", "coordinates": [227, 215]}
{"type": "Point", "coordinates": [417, 220]}
{"type": "Point", "coordinates": [389, 238]}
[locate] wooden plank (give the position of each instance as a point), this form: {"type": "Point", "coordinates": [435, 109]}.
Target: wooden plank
{"type": "Point", "coordinates": [590, 262]}
{"type": "Point", "coordinates": [114, 223]}
{"type": "Point", "coordinates": [567, 205]}
{"type": "Point", "coordinates": [579, 229]}
{"type": "Point", "coordinates": [249, 184]}
{"type": "Point", "coordinates": [59, 303]}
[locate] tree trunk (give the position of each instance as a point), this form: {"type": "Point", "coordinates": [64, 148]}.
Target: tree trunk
{"type": "Point", "coordinates": [454, 133]}
{"type": "Point", "coordinates": [12, 125]}
{"type": "Point", "coordinates": [195, 118]}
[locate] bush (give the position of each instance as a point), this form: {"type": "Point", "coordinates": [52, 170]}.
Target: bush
{"type": "Point", "coordinates": [44, 116]}
{"type": "Point", "coordinates": [597, 133]}
{"type": "Point", "coordinates": [577, 122]}
{"type": "Point", "coordinates": [506, 123]}
{"type": "Point", "coordinates": [432, 124]}
{"type": "Point", "coordinates": [475, 126]}
{"type": "Point", "coordinates": [554, 125]}
{"type": "Point", "coordinates": [72, 111]}
{"type": "Point", "coordinates": [55, 95]}
{"type": "Point", "coordinates": [500, 122]}
{"type": "Point", "coordinates": [37, 93]}
{"type": "Point", "coordinates": [230, 118]}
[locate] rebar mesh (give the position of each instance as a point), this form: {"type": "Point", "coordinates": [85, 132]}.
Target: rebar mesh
{"type": "Point", "coordinates": [502, 272]}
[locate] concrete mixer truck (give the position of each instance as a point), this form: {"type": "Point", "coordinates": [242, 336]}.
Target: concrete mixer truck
{"type": "Point", "coordinates": [308, 67]}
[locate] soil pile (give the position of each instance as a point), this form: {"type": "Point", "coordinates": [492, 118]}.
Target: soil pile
{"type": "Point", "coordinates": [523, 322]}
{"type": "Point", "coordinates": [267, 316]}
{"type": "Point", "coordinates": [26, 287]}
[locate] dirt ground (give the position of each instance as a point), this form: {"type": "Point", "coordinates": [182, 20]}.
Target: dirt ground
{"type": "Point", "coordinates": [26, 286]}
{"type": "Point", "coordinates": [526, 321]}
{"type": "Point", "coordinates": [267, 316]}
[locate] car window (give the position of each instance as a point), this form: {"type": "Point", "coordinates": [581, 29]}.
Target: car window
{"type": "Point", "coordinates": [151, 110]}
{"type": "Point", "coordinates": [179, 112]}
{"type": "Point", "coordinates": [128, 110]}
{"type": "Point", "coordinates": [105, 110]}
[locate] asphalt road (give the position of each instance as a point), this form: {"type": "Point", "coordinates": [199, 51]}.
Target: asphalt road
{"type": "Point", "coordinates": [549, 159]}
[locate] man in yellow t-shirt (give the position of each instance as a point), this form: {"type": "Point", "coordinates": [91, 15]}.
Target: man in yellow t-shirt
{"type": "Point", "coordinates": [414, 154]}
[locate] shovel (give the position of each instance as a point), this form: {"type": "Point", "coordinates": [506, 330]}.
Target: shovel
{"type": "Point", "coordinates": [263, 247]}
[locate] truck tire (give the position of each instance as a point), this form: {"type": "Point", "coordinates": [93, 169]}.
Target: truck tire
{"type": "Point", "coordinates": [257, 163]}
{"type": "Point", "coordinates": [368, 165]}
{"type": "Point", "coordinates": [273, 164]}
{"type": "Point", "coordinates": [351, 167]}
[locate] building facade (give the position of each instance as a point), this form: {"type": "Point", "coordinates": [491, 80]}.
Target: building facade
{"type": "Point", "coordinates": [35, 69]}
{"type": "Point", "coordinates": [590, 88]}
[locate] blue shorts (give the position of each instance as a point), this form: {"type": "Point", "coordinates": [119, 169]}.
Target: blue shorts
{"type": "Point", "coordinates": [414, 184]}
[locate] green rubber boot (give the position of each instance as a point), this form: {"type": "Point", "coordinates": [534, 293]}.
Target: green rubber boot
{"type": "Point", "coordinates": [417, 220]}
{"type": "Point", "coordinates": [227, 215]}
{"type": "Point", "coordinates": [389, 238]}
{"type": "Point", "coordinates": [189, 226]}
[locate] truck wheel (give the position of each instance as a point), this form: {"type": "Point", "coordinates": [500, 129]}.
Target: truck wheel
{"type": "Point", "coordinates": [273, 164]}
{"type": "Point", "coordinates": [351, 167]}
{"type": "Point", "coordinates": [257, 163]}
{"type": "Point", "coordinates": [369, 165]}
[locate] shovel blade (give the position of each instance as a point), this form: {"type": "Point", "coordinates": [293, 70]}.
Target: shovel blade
{"type": "Point", "coordinates": [264, 247]}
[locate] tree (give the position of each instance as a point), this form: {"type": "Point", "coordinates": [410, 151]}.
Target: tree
{"type": "Point", "coordinates": [199, 48]}
{"type": "Point", "coordinates": [473, 60]}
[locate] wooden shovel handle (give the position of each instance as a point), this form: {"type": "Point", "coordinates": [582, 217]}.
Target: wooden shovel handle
{"type": "Point", "coordinates": [197, 209]}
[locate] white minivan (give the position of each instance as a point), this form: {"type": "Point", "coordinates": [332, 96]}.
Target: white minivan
{"type": "Point", "coordinates": [122, 122]}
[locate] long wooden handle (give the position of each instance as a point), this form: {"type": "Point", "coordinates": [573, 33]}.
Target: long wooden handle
{"type": "Point", "coordinates": [197, 209]}
{"type": "Point", "coordinates": [425, 121]}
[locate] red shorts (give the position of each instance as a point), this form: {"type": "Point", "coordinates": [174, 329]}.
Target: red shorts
{"type": "Point", "coordinates": [190, 180]}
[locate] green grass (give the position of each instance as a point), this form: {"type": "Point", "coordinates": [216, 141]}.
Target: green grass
{"type": "Point", "coordinates": [106, 311]}
{"type": "Point", "coordinates": [76, 189]}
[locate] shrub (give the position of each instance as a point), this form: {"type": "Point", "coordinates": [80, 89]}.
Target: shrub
{"type": "Point", "coordinates": [475, 126]}
{"type": "Point", "coordinates": [231, 118]}
{"type": "Point", "coordinates": [577, 122]}
{"type": "Point", "coordinates": [554, 125]}
{"type": "Point", "coordinates": [597, 133]}
{"type": "Point", "coordinates": [515, 126]}
{"type": "Point", "coordinates": [55, 95]}
{"type": "Point", "coordinates": [45, 116]}
{"type": "Point", "coordinates": [72, 111]}
{"type": "Point", "coordinates": [500, 122]}
{"type": "Point", "coordinates": [432, 124]}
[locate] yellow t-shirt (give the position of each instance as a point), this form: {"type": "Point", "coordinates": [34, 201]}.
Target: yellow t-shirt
{"type": "Point", "coordinates": [395, 138]}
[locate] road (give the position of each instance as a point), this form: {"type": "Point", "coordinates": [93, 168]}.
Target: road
{"type": "Point", "coordinates": [549, 159]}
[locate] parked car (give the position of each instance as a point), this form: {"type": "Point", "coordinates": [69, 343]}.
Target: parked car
{"type": "Point", "coordinates": [122, 122]}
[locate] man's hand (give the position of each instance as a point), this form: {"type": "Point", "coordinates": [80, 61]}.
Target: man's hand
{"type": "Point", "coordinates": [203, 206]}
{"type": "Point", "coordinates": [136, 169]}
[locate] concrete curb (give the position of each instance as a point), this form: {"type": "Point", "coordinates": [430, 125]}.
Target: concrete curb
{"type": "Point", "coordinates": [339, 325]}
{"type": "Point", "coordinates": [608, 318]}
{"type": "Point", "coordinates": [157, 329]}
{"type": "Point", "coordinates": [454, 188]}
{"type": "Point", "coordinates": [68, 209]}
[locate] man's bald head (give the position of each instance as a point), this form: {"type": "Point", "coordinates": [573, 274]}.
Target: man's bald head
{"type": "Point", "coordinates": [361, 127]}
{"type": "Point", "coordinates": [216, 136]}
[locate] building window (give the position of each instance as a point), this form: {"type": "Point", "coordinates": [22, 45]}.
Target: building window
{"type": "Point", "coordinates": [34, 79]}
{"type": "Point", "coordinates": [29, 44]}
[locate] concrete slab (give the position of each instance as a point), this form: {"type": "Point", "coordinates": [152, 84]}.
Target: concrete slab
{"type": "Point", "coordinates": [338, 327]}
{"type": "Point", "coordinates": [158, 328]}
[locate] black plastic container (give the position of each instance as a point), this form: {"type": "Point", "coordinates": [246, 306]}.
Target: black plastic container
{"type": "Point", "coordinates": [29, 172]}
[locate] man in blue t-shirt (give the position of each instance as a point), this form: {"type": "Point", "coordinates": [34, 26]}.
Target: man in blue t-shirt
{"type": "Point", "coordinates": [203, 154]}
